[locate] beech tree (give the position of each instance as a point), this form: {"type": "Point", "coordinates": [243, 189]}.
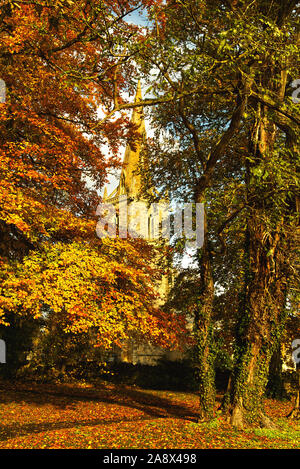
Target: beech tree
{"type": "Point", "coordinates": [62, 62]}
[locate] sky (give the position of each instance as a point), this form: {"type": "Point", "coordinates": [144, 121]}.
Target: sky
{"type": "Point", "coordinates": [139, 19]}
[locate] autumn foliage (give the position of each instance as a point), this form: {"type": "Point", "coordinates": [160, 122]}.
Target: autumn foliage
{"type": "Point", "coordinates": [62, 61]}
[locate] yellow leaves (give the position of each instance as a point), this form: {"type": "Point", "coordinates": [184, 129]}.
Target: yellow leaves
{"type": "Point", "coordinates": [45, 159]}
{"type": "Point", "coordinates": [87, 288]}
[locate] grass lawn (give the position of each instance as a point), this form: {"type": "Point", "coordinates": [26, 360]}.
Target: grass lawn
{"type": "Point", "coordinates": [35, 416]}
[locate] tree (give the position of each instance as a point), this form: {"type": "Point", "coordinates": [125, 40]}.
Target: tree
{"type": "Point", "coordinates": [230, 66]}
{"type": "Point", "coordinates": [106, 286]}
{"type": "Point", "coordinates": [61, 62]}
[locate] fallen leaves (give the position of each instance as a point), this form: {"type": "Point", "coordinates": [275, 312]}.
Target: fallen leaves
{"type": "Point", "coordinates": [109, 416]}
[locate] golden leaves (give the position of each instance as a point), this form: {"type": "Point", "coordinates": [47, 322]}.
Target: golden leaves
{"type": "Point", "coordinates": [89, 288]}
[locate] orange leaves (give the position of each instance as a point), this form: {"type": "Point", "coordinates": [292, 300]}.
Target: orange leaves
{"type": "Point", "coordinates": [102, 416]}
{"type": "Point", "coordinates": [89, 288]}
{"type": "Point", "coordinates": [58, 70]}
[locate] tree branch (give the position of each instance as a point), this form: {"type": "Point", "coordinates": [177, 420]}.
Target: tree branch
{"type": "Point", "coordinates": [205, 180]}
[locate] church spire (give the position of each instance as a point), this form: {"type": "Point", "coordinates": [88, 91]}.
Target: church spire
{"type": "Point", "coordinates": [130, 180]}
{"type": "Point", "coordinates": [138, 96]}
{"type": "Point", "coordinates": [137, 113]}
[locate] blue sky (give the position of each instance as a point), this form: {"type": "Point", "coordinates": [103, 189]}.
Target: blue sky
{"type": "Point", "coordinates": [137, 17]}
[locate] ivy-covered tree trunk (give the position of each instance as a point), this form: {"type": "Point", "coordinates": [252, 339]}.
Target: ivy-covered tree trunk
{"type": "Point", "coordinates": [263, 317]}
{"type": "Point", "coordinates": [204, 332]}
{"type": "Point", "coordinates": [260, 328]}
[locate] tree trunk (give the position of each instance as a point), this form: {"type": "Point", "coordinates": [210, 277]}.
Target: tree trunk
{"type": "Point", "coordinates": [263, 316]}
{"type": "Point", "coordinates": [260, 332]}
{"type": "Point", "coordinates": [275, 388]}
{"type": "Point", "coordinates": [295, 414]}
{"type": "Point", "coordinates": [225, 404]}
{"type": "Point", "coordinates": [203, 326]}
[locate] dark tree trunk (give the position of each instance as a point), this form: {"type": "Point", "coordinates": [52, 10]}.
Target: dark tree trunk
{"type": "Point", "coordinates": [261, 329]}
{"type": "Point", "coordinates": [263, 316]}
{"type": "Point", "coordinates": [203, 326]}
{"type": "Point", "coordinates": [295, 414]}
{"type": "Point", "coordinates": [275, 388]}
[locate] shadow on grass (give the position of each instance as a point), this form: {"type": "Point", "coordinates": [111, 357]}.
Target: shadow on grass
{"type": "Point", "coordinates": [10, 431]}
{"type": "Point", "coordinates": [63, 397]}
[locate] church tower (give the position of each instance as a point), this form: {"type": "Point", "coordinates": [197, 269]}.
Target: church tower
{"type": "Point", "coordinates": [130, 178]}
{"type": "Point", "coordinates": [130, 185]}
